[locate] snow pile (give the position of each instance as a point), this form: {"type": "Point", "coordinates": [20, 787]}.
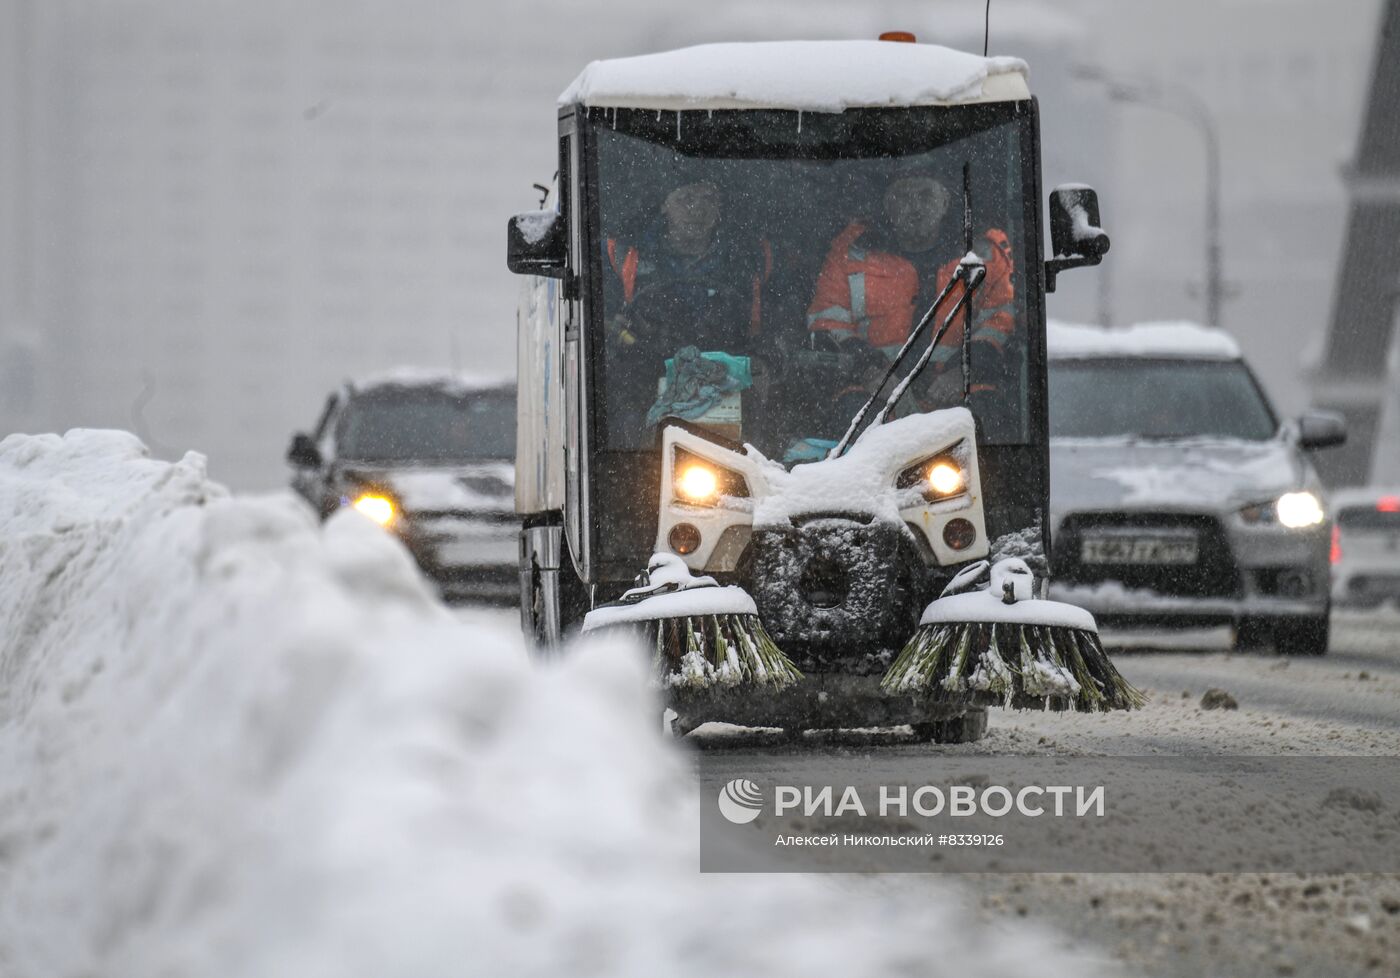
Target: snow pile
{"type": "Point", "coordinates": [233, 743]}
{"type": "Point", "coordinates": [1067, 341]}
{"type": "Point", "coordinates": [814, 76]}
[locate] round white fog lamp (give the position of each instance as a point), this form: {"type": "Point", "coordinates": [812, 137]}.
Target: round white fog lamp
{"type": "Point", "coordinates": [945, 478]}
{"type": "Point", "coordinates": [697, 483]}
{"type": "Point", "coordinates": [1299, 509]}
{"type": "Point", "coordinates": [378, 508]}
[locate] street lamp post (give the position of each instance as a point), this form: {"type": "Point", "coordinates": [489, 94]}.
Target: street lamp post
{"type": "Point", "coordinates": [1184, 104]}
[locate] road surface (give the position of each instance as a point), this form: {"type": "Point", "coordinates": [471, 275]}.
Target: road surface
{"type": "Point", "coordinates": [1177, 924]}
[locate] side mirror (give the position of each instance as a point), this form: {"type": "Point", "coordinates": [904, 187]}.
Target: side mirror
{"type": "Point", "coordinates": [303, 452]}
{"type": "Point", "coordinates": [536, 244]}
{"type": "Point", "coordinates": [1075, 235]}
{"type": "Point", "coordinates": [1321, 429]}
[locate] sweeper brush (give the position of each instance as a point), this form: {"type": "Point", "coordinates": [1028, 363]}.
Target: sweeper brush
{"type": "Point", "coordinates": [701, 635]}
{"type": "Point", "coordinates": [988, 642]}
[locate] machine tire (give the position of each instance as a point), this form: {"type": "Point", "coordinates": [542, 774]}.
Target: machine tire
{"type": "Point", "coordinates": [965, 729]}
{"type": "Point", "coordinates": [1302, 636]}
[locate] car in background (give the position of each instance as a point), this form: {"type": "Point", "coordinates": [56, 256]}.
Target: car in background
{"type": "Point", "coordinates": [1366, 547]}
{"type": "Point", "coordinates": [430, 457]}
{"type": "Point", "coordinates": [1178, 497]}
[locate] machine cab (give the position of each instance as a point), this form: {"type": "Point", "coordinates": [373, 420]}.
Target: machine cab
{"type": "Point", "coordinates": [741, 240]}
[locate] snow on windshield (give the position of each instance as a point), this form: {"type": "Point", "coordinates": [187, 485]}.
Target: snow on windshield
{"type": "Point", "coordinates": [819, 76]}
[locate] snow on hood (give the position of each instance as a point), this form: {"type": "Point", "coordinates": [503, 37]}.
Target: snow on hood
{"type": "Point", "coordinates": [816, 76]}
{"type": "Point", "coordinates": [456, 383]}
{"type": "Point", "coordinates": [475, 487]}
{"type": "Point", "coordinates": [862, 480]}
{"type": "Point", "coordinates": [234, 742]}
{"type": "Point", "coordinates": [1067, 341]}
{"type": "Point", "coordinates": [1195, 475]}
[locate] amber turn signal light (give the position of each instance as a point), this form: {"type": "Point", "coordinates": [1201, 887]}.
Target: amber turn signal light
{"type": "Point", "coordinates": [684, 538]}
{"type": "Point", "coordinates": [959, 533]}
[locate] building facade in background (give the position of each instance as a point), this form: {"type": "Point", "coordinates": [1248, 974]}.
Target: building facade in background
{"type": "Point", "coordinates": [215, 212]}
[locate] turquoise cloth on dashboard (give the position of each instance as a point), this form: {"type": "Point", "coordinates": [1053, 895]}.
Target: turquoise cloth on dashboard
{"type": "Point", "coordinates": [696, 382]}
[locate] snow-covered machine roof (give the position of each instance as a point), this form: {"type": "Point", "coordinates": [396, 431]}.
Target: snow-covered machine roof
{"type": "Point", "coordinates": [814, 76]}
{"type": "Point", "coordinates": [429, 377]}
{"type": "Point", "coordinates": [1184, 340]}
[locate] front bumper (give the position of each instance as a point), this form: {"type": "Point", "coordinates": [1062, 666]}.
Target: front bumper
{"type": "Point", "coordinates": [1114, 606]}
{"type": "Point", "coordinates": [1241, 572]}
{"type": "Point", "coordinates": [469, 557]}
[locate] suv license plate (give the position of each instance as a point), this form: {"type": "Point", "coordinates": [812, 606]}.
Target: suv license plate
{"type": "Point", "coordinates": [1137, 550]}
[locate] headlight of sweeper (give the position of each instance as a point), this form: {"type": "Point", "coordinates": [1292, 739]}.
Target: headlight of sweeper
{"type": "Point", "coordinates": [945, 478]}
{"type": "Point", "coordinates": [379, 508]}
{"type": "Point", "coordinates": [940, 477]}
{"type": "Point", "coordinates": [700, 482]}
{"type": "Point", "coordinates": [1295, 510]}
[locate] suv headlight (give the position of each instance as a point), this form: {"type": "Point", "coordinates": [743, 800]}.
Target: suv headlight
{"type": "Point", "coordinates": [1294, 510]}
{"type": "Point", "coordinates": [377, 507]}
{"type": "Point", "coordinates": [1299, 509]}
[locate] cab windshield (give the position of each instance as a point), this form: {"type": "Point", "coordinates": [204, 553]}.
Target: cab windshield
{"type": "Point", "coordinates": [761, 268]}
{"type": "Point", "coordinates": [428, 426]}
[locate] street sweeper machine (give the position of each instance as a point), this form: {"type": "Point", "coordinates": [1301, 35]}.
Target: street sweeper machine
{"type": "Point", "coordinates": [782, 386]}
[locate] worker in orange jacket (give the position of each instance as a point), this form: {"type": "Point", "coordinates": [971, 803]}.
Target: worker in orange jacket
{"type": "Point", "coordinates": [878, 279]}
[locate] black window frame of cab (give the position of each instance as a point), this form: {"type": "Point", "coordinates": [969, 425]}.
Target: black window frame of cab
{"type": "Point", "coordinates": [1016, 479]}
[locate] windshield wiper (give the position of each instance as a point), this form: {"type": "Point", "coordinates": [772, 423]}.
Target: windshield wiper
{"type": "Point", "coordinates": [971, 271]}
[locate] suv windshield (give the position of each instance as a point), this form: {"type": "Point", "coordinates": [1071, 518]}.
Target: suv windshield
{"type": "Point", "coordinates": [761, 268]}
{"type": "Point", "coordinates": [1161, 399]}
{"type": "Point", "coordinates": [431, 426]}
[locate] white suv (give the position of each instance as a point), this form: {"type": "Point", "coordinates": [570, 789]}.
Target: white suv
{"type": "Point", "coordinates": [1366, 547]}
{"type": "Point", "coordinates": [1179, 497]}
{"type": "Point", "coordinates": [430, 457]}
